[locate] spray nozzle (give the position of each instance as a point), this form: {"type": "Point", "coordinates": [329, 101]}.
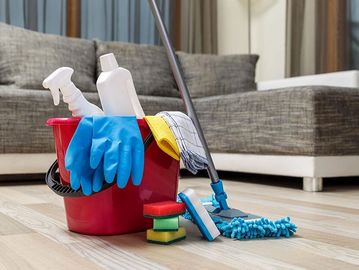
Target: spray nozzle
{"type": "Point", "coordinates": [60, 78]}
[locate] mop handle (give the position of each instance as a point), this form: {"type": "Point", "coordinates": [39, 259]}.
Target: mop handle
{"type": "Point", "coordinates": [178, 74]}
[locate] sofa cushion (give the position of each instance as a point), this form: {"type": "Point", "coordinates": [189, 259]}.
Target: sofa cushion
{"type": "Point", "coordinates": [23, 114]}
{"type": "Point", "coordinates": [210, 75]}
{"type": "Point", "coordinates": [308, 120]}
{"type": "Point", "coordinates": [148, 65]}
{"type": "Point", "coordinates": [28, 57]}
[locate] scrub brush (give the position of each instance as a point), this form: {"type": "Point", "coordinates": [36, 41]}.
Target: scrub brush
{"type": "Point", "coordinates": [199, 214]}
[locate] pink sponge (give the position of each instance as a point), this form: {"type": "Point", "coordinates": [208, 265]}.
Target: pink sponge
{"type": "Point", "coordinates": [163, 209]}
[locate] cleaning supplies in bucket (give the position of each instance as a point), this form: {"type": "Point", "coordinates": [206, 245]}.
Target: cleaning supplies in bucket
{"type": "Point", "coordinates": [117, 141]}
{"type": "Point", "coordinates": [77, 159]}
{"type": "Point", "coordinates": [60, 80]}
{"type": "Point", "coordinates": [116, 89]}
{"type": "Point", "coordinates": [113, 210]}
{"type": "Point", "coordinates": [163, 136]}
{"type": "Point", "coordinates": [192, 152]}
{"type": "Point", "coordinates": [107, 212]}
{"type": "Point", "coordinates": [103, 147]}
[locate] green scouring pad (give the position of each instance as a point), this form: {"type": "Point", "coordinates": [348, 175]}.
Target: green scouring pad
{"type": "Point", "coordinates": [165, 224]}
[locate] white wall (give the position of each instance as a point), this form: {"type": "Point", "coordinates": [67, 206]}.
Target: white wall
{"type": "Point", "coordinates": [232, 26]}
{"type": "Point", "coordinates": [267, 32]}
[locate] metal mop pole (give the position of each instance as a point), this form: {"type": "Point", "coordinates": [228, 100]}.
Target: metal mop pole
{"type": "Point", "coordinates": [178, 74]}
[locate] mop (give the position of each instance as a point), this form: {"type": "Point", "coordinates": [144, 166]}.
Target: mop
{"type": "Point", "coordinates": [231, 222]}
{"type": "Point", "coordinates": [246, 227]}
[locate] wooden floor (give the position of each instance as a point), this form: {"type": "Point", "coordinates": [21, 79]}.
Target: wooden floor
{"type": "Point", "coordinates": [33, 233]}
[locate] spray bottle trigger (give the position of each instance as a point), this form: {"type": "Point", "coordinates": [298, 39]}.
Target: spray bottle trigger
{"type": "Point", "coordinates": [55, 92]}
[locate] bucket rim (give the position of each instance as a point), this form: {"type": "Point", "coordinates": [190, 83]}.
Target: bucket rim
{"type": "Point", "coordinates": [63, 121]}
{"type": "Point", "coordinates": [66, 121]}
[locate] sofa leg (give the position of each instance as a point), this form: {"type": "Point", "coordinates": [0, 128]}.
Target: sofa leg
{"type": "Point", "coordinates": [312, 184]}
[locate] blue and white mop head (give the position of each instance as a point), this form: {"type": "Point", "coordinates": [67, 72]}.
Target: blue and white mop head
{"type": "Point", "coordinates": [239, 228]}
{"type": "Point", "coordinates": [199, 214]}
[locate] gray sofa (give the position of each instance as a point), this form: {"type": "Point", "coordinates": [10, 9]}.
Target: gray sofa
{"type": "Point", "coordinates": [242, 125]}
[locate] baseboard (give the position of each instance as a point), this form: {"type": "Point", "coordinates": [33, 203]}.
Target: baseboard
{"type": "Point", "coordinates": [298, 166]}
{"type": "Point", "coordinates": [25, 163]}
{"type": "Point", "coordinates": [328, 166]}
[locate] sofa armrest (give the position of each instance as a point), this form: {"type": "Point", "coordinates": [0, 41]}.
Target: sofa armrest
{"type": "Point", "coordinates": [338, 79]}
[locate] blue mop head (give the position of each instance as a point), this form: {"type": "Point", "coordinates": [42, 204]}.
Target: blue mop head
{"type": "Point", "coordinates": [239, 228]}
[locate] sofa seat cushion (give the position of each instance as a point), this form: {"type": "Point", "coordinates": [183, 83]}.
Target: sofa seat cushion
{"type": "Point", "coordinates": [310, 120]}
{"type": "Point", "coordinates": [148, 65]}
{"type": "Point", "coordinates": [28, 57]}
{"type": "Point", "coordinates": [23, 114]}
{"type": "Point", "coordinates": [210, 75]}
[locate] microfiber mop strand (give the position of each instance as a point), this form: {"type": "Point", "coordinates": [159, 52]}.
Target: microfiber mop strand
{"type": "Point", "coordinates": [238, 228]}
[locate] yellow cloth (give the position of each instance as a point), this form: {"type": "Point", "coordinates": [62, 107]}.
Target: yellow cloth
{"type": "Point", "coordinates": [163, 136]}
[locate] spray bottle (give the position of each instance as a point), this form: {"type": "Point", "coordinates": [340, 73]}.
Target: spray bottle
{"type": "Point", "coordinates": [116, 89]}
{"type": "Point", "coordinates": [60, 80]}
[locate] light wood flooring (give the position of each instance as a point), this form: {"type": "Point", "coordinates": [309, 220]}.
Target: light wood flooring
{"type": "Point", "coordinates": [33, 233]}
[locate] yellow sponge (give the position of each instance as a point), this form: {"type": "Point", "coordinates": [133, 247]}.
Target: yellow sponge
{"type": "Point", "coordinates": [166, 237]}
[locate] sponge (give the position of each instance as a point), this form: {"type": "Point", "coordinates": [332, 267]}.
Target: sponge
{"type": "Point", "coordinates": [165, 224]}
{"type": "Point", "coordinates": [165, 238]}
{"type": "Point", "coordinates": [199, 214]}
{"type": "Point", "coordinates": [163, 209]}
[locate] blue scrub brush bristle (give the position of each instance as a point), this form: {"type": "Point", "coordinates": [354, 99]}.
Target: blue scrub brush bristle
{"type": "Point", "coordinates": [239, 228]}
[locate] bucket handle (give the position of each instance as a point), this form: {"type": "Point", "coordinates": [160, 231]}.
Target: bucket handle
{"type": "Point", "coordinates": [53, 180]}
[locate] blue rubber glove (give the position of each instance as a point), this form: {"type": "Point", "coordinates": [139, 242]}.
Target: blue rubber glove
{"type": "Point", "coordinates": [77, 159]}
{"type": "Point", "coordinates": [118, 142]}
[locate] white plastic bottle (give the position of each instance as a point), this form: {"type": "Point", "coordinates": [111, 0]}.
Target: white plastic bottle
{"type": "Point", "coordinates": [116, 89]}
{"type": "Point", "coordinates": [60, 80]}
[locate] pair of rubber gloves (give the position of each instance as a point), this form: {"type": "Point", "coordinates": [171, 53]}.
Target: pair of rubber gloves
{"type": "Point", "coordinates": [102, 148]}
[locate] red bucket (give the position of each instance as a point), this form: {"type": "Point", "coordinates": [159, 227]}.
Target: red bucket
{"type": "Point", "coordinates": [116, 211]}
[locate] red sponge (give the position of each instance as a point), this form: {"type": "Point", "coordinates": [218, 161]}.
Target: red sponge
{"type": "Point", "coordinates": [163, 209]}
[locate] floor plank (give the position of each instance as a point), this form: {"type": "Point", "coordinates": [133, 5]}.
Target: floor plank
{"type": "Point", "coordinates": [10, 226]}
{"type": "Point", "coordinates": [327, 238]}
{"type": "Point", "coordinates": [49, 210]}
{"type": "Point", "coordinates": [33, 251]}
